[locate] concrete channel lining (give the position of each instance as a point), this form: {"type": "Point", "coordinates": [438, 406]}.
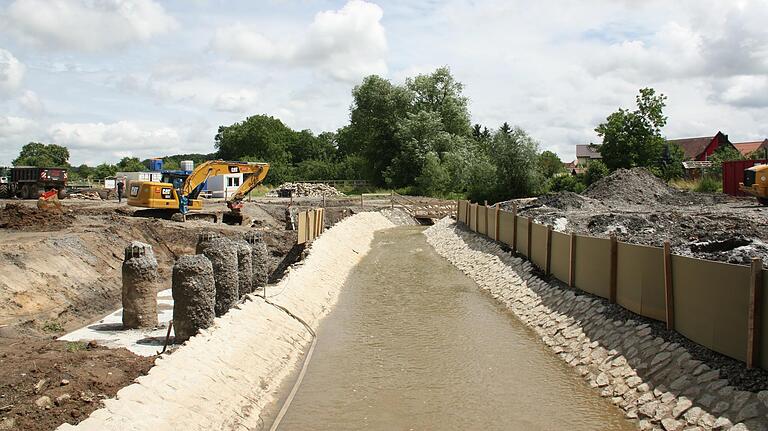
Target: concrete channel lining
{"type": "Point", "coordinates": [225, 376]}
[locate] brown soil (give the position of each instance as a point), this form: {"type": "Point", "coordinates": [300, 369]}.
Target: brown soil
{"type": "Point", "coordinates": [639, 208]}
{"type": "Point", "coordinates": [28, 218]}
{"type": "Point", "coordinates": [74, 377]}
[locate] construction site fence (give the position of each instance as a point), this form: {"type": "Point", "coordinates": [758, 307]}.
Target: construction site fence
{"type": "Point", "coordinates": [718, 305]}
{"type": "Point", "coordinates": [311, 224]}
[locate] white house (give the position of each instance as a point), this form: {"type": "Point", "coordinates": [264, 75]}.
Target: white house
{"type": "Point", "coordinates": [224, 186]}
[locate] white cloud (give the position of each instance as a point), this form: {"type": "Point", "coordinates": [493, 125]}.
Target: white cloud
{"type": "Point", "coordinates": [31, 103]}
{"type": "Point", "coordinates": [120, 138]}
{"type": "Point", "coordinates": [236, 101]}
{"type": "Point", "coordinates": [747, 91]}
{"type": "Point", "coordinates": [87, 25]}
{"type": "Point", "coordinates": [346, 44]}
{"type": "Point", "coordinates": [11, 72]}
{"type": "Point", "coordinates": [15, 132]}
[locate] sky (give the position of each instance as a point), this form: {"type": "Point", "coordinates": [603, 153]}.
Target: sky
{"type": "Point", "coordinates": [144, 78]}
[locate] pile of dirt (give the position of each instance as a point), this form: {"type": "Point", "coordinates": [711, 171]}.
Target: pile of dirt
{"type": "Point", "coordinates": [85, 196]}
{"type": "Point", "coordinates": [28, 218]}
{"type": "Point", "coordinates": [306, 190]}
{"type": "Point", "coordinates": [637, 185]}
{"type": "Point", "coordinates": [47, 383]}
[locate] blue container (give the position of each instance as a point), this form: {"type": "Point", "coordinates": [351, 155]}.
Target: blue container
{"type": "Point", "coordinates": [156, 165]}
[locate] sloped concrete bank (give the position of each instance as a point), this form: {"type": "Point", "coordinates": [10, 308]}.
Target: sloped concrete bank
{"type": "Point", "coordinates": [222, 378]}
{"type": "Point", "coordinates": [656, 382]}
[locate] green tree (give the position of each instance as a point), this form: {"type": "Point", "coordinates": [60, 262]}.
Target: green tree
{"type": "Point", "coordinates": [550, 164]}
{"type": "Point", "coordinates": [515, 155]}
{"type": "Point", "coordinates": [633, 138]}
{"type": "Point", "coordinates": [104, 170]}
{"type": "Point", "coordinates": [566, 183]}
{"type": "Point", "coordinates": [377, 107]}
{"type": "Point", "coordinates": [259, 137]}
{"type": "Point", "coordinates": [418, 135]}
{"type": "Point", "coordinates": [595, 172]}
{"type": "Point", "coordinates": [722, 154]}
{"type": "Point", "coordinates": [434, 179]}
{"type": "Point", "coordinates": [130, 164]}
{"type": "Point", "coordinates": [42, 155]}
{"type": "Point", "coordinates": [439, 92]}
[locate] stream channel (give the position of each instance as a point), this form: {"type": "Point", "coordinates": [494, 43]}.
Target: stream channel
{"type": "Point", "coordinates": [414, 344]}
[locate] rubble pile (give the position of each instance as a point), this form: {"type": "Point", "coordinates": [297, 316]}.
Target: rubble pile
{"type": "Point", "coordinates": [311, 190]}
{"type": "Point", "coordinates": [85, 196]}
{"type": "Point", "coordinates": [640, 208]}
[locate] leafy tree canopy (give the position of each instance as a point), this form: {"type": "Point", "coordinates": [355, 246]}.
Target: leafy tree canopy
{"type": "Point", "coordinates": [550, 164]}
{"type": "Point", "coordinates": [633, 138]}
{"type": "Point", "coordinates": [42, 155]}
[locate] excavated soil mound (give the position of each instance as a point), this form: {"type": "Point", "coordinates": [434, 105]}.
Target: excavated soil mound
{"type": "Point", "coordinates": [635, 185]}
{"type": "Point", "coordinates": [27, 218]}
{"type": "Point", "coordinates": [45, 383]}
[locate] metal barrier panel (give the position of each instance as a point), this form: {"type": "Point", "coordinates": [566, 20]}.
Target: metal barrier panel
{"type": "Point", "coordinates": [593, 265]}
{"type": "Point", "coordinates": [492, 222]}
{"type": "Point", "coordinates": [711, 304]}
{"type": "Point", "coordinates": [522, 235]}
{"type": "Point", "coordinates": [506, 226]}
{"type": "Point", "coordinates": [561, 259]}
{"type": "Point", "coordinates": [482, 214]}
{"type": "Point", "coordinates": [640, 280]}
{"type": "Point", "coordinates": [539, 245]}
{"type": "Point", "coordinates": [762, 342]}
{"type": "Point", "coordinates": [302, 228]}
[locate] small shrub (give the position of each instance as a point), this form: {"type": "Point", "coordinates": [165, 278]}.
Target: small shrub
{"type": "Point", "coordinates": [52, 326]}
{"type": "Point", "coordinates": [566, 183]}
{"type": "Point", "coordinates": [708, 185]}
{"type": "Point", "coordinates": [75, 346]}
{"type": "Point", "coordinates": [595, 172]}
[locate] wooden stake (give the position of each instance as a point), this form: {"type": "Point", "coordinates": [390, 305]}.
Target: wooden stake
{"type": "Point", "coordinates": [530, 236]}
{"type": "Point", "coordinates": [753, 318]}
{"type": "Point", "coordinates": [614, 269]}
{"type": "Point", "coordinates": [469, 214]}
{"type": "Point", "coordinates": [477, 217]}
{"type": "Point", "coordinates": [514, 228]}
{"type": "Point", "coordinates": [485, 208]}
{"type": "Point", "coordinates": [548, 259]}
{"type": "Point", "coordinates": [669, 298]}
{"type": "Point", "coordinates": [572, 264]}
{"type": "Point", "coordinates": [496, 226]}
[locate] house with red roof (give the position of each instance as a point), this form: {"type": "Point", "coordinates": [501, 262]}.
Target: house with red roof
{"type": "Point", "coordinates": [747, 149]}
{"type": "Point", "coordinates": [703, 147]}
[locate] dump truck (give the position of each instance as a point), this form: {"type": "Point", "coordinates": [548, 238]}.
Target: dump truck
{"type": "Point", "coordinates": [756, 183]}
{"type": "Point", "coordinates": [179, 200]}
{"type": "Point", "coordinates": [30, 182]}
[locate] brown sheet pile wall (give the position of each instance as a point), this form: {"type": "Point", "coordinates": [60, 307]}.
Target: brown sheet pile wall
{"type": "Point", "coordinates": [310, 225]}
{"type": "Point", "coordinates": [710, 299]}
{"type": "Point", "coordinates": [482, 217]}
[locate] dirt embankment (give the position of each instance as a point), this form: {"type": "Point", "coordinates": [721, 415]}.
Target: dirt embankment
{"type": "Point", "coordinates": [44, 383]}
{"type": "Point", "coordinates": [639, 208]}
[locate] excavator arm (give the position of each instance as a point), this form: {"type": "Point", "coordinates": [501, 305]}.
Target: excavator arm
{"type": "Point", "coordinates": [253, 173]}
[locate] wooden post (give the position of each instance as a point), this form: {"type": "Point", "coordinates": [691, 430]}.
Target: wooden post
{"type": "Point", "coordinates": [496, 226]}
{"type": "Point", "coordinates": [614, 269]}
{"type": "Point", "coordinates": [530, 236]}
{"type": "Point", "coordinates": [458, 208]}
{"type": "Point", "coordinates": [514, 227]}
{"type": "Point", "coordinates": [361, 200]}
{"type": "Point", "coordinates": [485, 208]}
{"type": "Point", "coordinates": [753, 318]}
{"type": "Point", "coordinates": [309, 230]}
{"type": "Point", "coordinates": [669, 299]}
{"type": "Point", "coordinates": [477, 217]}
{"type": "Point", "coordinates": [572, 264]}
{"type": "Point", "coordinates": [469, 214]}
{"type": "Point", "coordinates": [548, 259]}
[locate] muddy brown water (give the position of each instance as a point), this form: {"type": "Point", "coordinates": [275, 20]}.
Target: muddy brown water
{"type": "Point", "coordinates": [414, 344]}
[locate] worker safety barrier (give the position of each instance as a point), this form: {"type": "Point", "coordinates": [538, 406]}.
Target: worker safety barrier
{"type": "Point", "coordinates": [311, 224]}
{"type": "Point", "coordinates": [715, 304]}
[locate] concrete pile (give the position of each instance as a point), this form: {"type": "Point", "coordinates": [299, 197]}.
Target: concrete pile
{"type": "Point", "coordinates": [194, 296]}
{"type": "Point", "coordinates": [658, 383]}
{"type": "Point", "coordinates": [312, 190]}
{"type": "Point", "coordinates": [259, 259]}
{"type": "Point", "coordinates": [222, 253]}
{"type": "Point", "coordinates": [140, 286]}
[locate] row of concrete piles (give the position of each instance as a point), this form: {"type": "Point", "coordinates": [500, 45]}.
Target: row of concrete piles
{"type": "Point", "coordinates": [204, 285]}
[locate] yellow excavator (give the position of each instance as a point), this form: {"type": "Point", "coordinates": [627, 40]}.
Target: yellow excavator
{"type": "Point", "coordinates": [179, 199]}
{"type": "Point", "coordinates": [756, 183]}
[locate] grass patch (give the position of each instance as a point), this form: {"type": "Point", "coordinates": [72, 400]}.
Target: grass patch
{"type": "Point", "coordinates": [684, 184]}
{"type": "Point", "coordinates": [76, 346]}
{"type": "Point", "coordinates": [53, 326]}
{"type": "Point", "coordinates": [708, 185]}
